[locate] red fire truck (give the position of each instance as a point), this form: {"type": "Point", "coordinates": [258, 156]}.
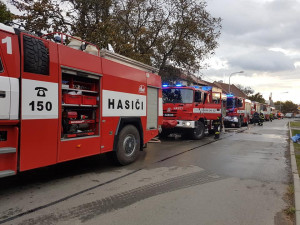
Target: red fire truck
{"type": "Point", "coordinates": [190, 110]}
{"type": "Point", "coordinates": [238, 111]}
{"type": "Point", "coordinates": [59, 103]}
{"type": "Point", "coordinates": [266, 110]}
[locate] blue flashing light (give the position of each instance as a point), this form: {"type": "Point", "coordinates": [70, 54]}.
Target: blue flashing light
{"type": "Point", "coordinates": [165, 85]}
{"type": "Point", "coordinates": [178, 85]}
{"type": "Point", "coordinates": [195, 86]}
{"type": "Point", "coordinates": [229, 95]}
{"type": "Point", "coordinates": [207, 88]}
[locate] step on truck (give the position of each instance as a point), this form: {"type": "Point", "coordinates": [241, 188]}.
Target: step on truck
{"type": "Point", "coordinates": [190, 110]}
{"type": "Point", "coordinates": [238, 111]}
{"type": "Point", "coordinates": [61, 98]}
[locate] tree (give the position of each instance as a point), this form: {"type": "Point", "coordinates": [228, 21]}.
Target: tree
{"type": "Point", "coordinates": [156, 32]}
{"type": "Point", "coordinates": [246, 89]}
{"type": "Point", "coordinates": [5, 15]}
{"type": "Point", "coordinates": [170, 74]}
{"type": "Point", "coordinates": [257, 98]}
{"type": "Point", "coordinates": [286, 107]}
{"type": "Point", "coordinates": [178, 31]}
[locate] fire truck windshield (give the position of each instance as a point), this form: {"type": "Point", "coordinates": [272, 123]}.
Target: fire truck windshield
{"type": "Point", "coordinates": [177, 95]}
{"type": "Point", "coordinates": [230, 103]}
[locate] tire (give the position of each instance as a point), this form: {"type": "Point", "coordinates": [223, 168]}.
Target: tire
{"type": "Point", "coordinates": [36, 57]}
{"type": "Point", "coordinates": [198, 132]}
{"type": "Point", "coordinates": [128, 146]}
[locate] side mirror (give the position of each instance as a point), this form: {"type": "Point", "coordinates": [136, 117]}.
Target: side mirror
{"type": "Point", "coordinates": [83, 47]}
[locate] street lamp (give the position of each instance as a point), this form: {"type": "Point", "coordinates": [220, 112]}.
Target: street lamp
{"type": "Point", "coordinates": [231, 75]}
{"type": "Point", "coordinates": [281, 98]}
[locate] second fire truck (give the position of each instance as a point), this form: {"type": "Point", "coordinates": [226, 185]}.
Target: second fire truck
{"type": "Point", "coordinates": [190, 110]}
{"type": "Point", "coordinates": [238, 111]}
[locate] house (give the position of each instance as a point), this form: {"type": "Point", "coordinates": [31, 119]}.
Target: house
{"type": "Point", "coordinates": [233, 89]}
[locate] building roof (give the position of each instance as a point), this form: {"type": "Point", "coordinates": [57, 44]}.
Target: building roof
{"type": "Point", "coordinates": [193, 79]}
{"type": "Point", "coordinates": [233, 89]}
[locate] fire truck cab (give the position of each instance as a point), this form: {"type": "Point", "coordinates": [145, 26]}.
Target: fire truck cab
{"type": "Point", "coordinates": [238, 111]}
{"type": "Point", "coordinates": [61, 102]}
{"type": "Point", "coordinates": [190, 110]}
{"type": "Point", "coordinates": [266, 110]}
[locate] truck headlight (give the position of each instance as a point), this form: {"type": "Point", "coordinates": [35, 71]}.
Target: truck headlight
{"type": "Point", "coordinates": [235, 119]}
{"type": "Point", "coordinates": [188, 124]}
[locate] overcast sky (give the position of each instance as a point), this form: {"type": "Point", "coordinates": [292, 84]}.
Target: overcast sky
{"type": "Point", "coordinates": [261, 38]}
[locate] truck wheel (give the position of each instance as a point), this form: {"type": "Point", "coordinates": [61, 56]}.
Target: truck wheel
{"type": "Point", "coordinates": [128, 146]}
{"type": "Point", "coordinates": [198, 132]}
{"type": "Point", "coordinates": [36, 57]}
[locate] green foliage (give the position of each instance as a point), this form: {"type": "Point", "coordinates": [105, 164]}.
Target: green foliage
{"type": "Point", "coordinates": [295, 124]}
{"type": "Point", "coordinates": [286, 107]}
{"type": "Point", "coordinates": [5, 14]}
{"type": "Point", "coordinates": [170, 74]}
{"type": "Point", "coordinates": [247, 90]}
{"type": "Point", "coordinates": [154, 32]}
{"type": "Point", "coordinates": [257, 97]}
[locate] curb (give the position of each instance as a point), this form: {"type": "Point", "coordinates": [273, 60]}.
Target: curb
{"type": "Point", "coordinates": [296, 179]}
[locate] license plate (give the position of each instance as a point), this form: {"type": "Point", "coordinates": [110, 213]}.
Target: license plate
{"type": "Point", "coordinates": [168, 114]}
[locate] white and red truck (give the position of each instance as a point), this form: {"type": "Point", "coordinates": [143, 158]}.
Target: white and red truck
{"type": "Point", "coordinates": [59, 103]}
{"type": "Point", "coordinates": [189, 110]}
{"type": "Point", "coordinates": [238, 111]}
{"type": "Point", "coordinates": [266, 110]}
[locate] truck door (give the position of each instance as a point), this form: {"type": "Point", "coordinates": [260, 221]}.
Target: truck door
{"type": "Point", "coordinates": [9, 74]}
{"type": "Point", "coordinates": [213, 108]}
{"type": "Point", "coordinates": [39, 103]}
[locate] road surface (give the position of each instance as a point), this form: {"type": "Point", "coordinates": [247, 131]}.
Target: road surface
{"type": "Point", "coordinates": [241, 178]}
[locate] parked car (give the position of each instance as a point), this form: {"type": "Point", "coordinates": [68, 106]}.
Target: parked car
{"type": "Point", "coordinates": [289, 115]}
{"type": "Point", "coordinates": [297, 116]}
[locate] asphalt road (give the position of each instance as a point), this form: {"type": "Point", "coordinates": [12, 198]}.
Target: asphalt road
{"type": "Point", "coordinates": [240, 179]}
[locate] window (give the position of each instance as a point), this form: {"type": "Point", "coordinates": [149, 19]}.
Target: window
{"type": "Point", "coordinates": [1, 66]}
{"type": "Point", "coordinates": [230, 103]}
{"type": "Point", "coordinates": [240, 102]}
{"type": "Point", "coordinates": [197, 96]}
{"type": "Point", "coordinates": [216, 98]}
{"type": "Point", "coordinates": [176, 95]}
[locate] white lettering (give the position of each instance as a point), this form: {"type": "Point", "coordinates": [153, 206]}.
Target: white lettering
{"type": "Point", "coordinates": [123, 104]}
{"type": "Point", "coordinates": [7, 41]}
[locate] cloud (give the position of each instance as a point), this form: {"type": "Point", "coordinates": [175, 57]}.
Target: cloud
{"type": "Point", "coordinates": [263, 60]}
{"type": "Point", "coordinates": [260, 37]}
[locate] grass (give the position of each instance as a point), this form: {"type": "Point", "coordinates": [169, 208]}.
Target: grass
{"type": "Point", "coordinates": [295, 124]}
{"type": "Point", "coordinates": [290, 190]}
{"type": "Point", "coordinates": [296, 145]}
{"type": "Point", "coordinates": [298, 162]}
{"type": "Point", "coordinates": [290, 211]}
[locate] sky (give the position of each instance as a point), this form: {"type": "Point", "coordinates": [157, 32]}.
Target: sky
{"type": "Point", "coordinates": [261, 38]}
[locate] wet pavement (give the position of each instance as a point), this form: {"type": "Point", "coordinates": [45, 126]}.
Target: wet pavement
{"type": "Point", "coordinates": [241, 178]}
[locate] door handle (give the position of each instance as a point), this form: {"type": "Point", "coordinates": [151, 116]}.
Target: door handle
{"type": "Point", "coordinates": [2, 94]}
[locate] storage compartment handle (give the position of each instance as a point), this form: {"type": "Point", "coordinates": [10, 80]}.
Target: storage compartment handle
{"type": "Point", "coordinates": [2, 94]}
